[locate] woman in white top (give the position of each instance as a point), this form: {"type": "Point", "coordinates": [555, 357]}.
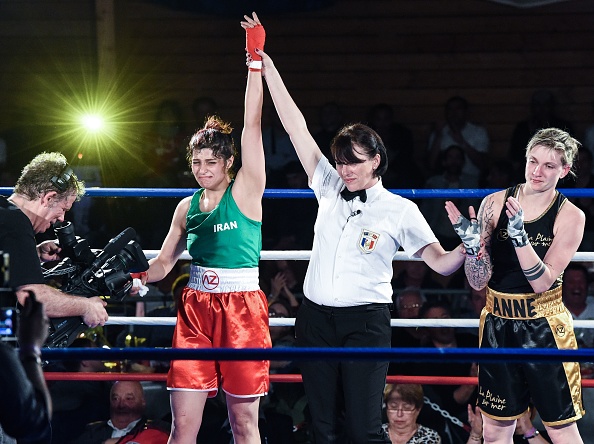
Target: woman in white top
{"type": "Point", "coordinates": [359, 228]}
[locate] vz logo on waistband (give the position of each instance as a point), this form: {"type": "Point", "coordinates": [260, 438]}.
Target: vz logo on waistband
{"type": "Point", "coordinates": [209, 280]}
{"type": "Point", "coordinates": [368, 240]}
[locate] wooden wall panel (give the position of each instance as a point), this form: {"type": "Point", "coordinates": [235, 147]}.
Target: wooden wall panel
{"type": "Point", "coordinates": [412, 54]}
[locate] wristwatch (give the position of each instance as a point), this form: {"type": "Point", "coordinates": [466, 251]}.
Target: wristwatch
{"type": "Point", "coordinates": [532, 434]}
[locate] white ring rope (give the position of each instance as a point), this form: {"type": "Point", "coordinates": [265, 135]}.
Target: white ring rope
{"type": "Point", "coordinates": [304, 255]}
{"type": "Point", "coordinates": [289, 322]}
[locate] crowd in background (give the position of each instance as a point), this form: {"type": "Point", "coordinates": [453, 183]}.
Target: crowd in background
{"type": "Point", "coordinates": [457, 155]}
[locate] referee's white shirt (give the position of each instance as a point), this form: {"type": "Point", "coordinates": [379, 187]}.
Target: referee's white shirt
{"type": "Point", "coordinates": [355, 242]}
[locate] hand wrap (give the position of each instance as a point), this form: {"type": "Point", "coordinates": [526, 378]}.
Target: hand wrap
{"type": "Point", "coordinates": [255, 38]}
{"type": "Point", "coordinates": [137, 281]}
{"type": "Point", "coordinates": [515, 230]}
{"type": "Point", "coordinates": [470, 234]}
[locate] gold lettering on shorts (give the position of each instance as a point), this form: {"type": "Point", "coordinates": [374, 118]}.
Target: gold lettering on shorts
{"type": "Point", "coordinates": [513, 308]}
{"type": "Point", "coordinates": [492, 400]}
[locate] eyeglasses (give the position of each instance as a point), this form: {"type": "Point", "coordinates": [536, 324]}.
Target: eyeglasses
{"type": "Point", "coordinates": [404, 408]}
{"type": "Point", "coordinates": [274, 314]}
{"type": "Point", "coordinates": [408, 307]}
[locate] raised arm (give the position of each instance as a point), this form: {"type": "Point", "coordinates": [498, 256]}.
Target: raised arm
{"type": "Point", "coordinates": [293, 121]}
{"type": "Point", "coordinates": [251, 177]}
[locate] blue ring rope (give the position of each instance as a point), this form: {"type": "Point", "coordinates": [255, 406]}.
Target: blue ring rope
{"type": "Point", "coordinates": [306, 193]}
{"type": "Point", "coordinates": [324, 354]}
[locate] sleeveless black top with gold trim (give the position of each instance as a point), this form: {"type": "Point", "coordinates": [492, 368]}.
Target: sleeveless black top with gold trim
{"type": "Point", "coordinates": [507, 274]}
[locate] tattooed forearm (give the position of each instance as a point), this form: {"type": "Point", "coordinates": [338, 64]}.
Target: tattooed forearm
{"type": "Point", "coordinates": [478, 271]}
{"type": "Point", "coordinates": [485, 219]}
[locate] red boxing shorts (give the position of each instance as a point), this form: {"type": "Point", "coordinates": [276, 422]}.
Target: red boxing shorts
{"type": "Point", "coordinates": [236, 319]}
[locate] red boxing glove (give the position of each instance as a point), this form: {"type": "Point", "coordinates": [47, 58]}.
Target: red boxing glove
{"type": "Point", "coordinates": [255, 38]}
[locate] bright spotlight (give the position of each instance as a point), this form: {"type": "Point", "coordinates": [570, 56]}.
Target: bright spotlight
{"type": "Point", "coordinates": [92, 123]}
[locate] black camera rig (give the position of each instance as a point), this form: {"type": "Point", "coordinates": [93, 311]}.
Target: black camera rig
{"type": "Point", "coordinates": [88, 273]}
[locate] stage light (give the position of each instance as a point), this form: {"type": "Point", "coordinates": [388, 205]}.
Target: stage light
{"type": "Point", "coordinates": [93, 122]}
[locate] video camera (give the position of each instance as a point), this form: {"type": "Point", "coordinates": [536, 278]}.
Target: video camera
{"type": "Point", "coordinates": [83, 272]}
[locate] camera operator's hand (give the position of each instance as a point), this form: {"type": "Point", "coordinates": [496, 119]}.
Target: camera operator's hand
{"type": "Point", "coordinates": [48, 251]}
{"type": "Point", "coordinates": [33, 325]}
{"type": "Point", "coordinates": [95, 313]}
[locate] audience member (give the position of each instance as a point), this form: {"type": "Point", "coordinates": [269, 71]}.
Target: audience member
{"type": "Point", "coordinates": [202, 108]}
{"type": "Point", "coordinates": [286, 283]}
{"type": "Point", "coordinates": [77, 403]}
{"type": "Point", "coordinates": [402, 171]}
{"type": "Point", "coordinates": [450, 398]}
{"type": "Point", "coordinates": [543, 114]}
{"type": "Point", "coordinates": [281, 336]}
{"type": "Point", "coordinates": [589, 138]}
{"type": "Point", "coordinates": [407, 304]}
{"type": "Point", "coordinates": [278, 149]}
{"type": "Point", "coordinates": [500, 175]}
{"type": "Point", "coordinates": [161, 336]}
{"type": "Point", "coordinates": [7, 177]}
{"type": "Point", "coordinates": [403, 405]}
{"type": "Point", "coordinates": [284, 399]}
{"type": "Point", "coordinates": [458, 130]}
{"type": "Point", "coordinates": [577, 300]}
{"type": "Point", "coordinates": [416, 274]}
{"type": "Point", "coordinates": [26, 407]}
{"type": "Point", "coordinates": [127, 423]}
{"type": "Point", "coordinates": [154, 335]}
{"type": "Point", "coordinates": [288, 222]}
{"type": "Point", "coordinates": [165, 144]}
{"type": "Point", "coordinates": [163, 161]}
{"type": "Point", "coordinates": [584, 179]}
{"type": "Point", "coordinates": [331, 120]}
{"type": "Point", "coordinates": [476, 302]}
{"type": "Point", "coordinates": [451, 177]}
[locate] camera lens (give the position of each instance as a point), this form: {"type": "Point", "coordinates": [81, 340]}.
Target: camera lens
{"type": "Point", "coordinates": [65, 233]}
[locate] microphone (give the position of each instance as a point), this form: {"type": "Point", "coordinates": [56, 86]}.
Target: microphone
{"type": "Point", "coordinates": [113, 247]}
{"type": "Point", "coordinates": [353, 214]}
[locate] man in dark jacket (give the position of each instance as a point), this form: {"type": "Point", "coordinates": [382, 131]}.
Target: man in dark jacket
{"type": "Point", "coordinates": [127, 422]}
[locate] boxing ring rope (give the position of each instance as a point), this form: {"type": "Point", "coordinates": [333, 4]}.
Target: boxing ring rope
{"type": "Point", "coordinates": [392, 354]}
{"type": "Point", "coordinates": [414, 193]}
{"type": "Point", "coordinates": [283, 354]}
{"type": "Point", "coordinates": [162, 377]}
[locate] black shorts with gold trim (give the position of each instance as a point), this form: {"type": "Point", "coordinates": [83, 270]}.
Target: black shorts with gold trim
{"type": "Point", "coordinates": [529, 320]}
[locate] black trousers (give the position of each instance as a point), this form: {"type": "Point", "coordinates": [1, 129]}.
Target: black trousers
{"type": "Point", "coordinates": [344, 398]}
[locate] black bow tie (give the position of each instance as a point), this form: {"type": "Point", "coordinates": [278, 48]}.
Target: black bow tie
{"type": "Point", "coordinates": [350, 195]}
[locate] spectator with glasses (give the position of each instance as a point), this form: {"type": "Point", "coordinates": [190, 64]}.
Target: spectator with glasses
{"type": "Point", "coordinates": [281, 336]}
{"type": "Point", "coordinates": [403, 405]}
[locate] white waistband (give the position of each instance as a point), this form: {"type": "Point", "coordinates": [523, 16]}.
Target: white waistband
{"type": "Point", "coordinates": [223, 280]}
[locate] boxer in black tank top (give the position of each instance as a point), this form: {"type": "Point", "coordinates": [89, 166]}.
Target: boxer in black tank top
{"type": "Point", "coordinates": [518, 246]}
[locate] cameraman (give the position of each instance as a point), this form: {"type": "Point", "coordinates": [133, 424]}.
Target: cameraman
{"type": "Point", "coordinates": [46, 189]}
{"type": "Point", "coordinates": [26, 406]}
